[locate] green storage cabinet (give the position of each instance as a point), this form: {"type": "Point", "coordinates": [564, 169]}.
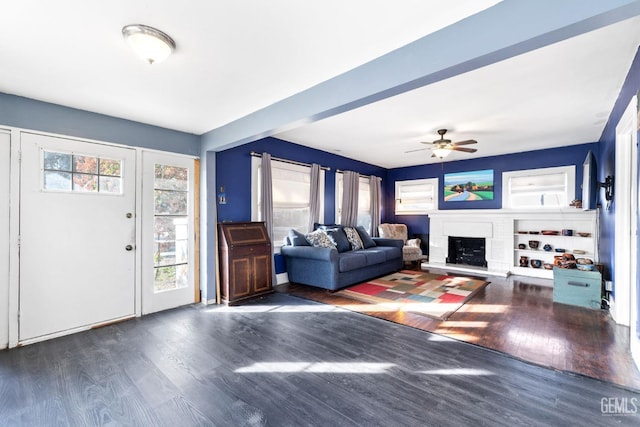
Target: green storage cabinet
{"type": "Point", "coordinates": [576, 287]}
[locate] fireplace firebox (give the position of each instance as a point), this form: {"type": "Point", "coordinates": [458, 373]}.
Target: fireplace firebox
{"type": "Point", "coordinates": [467, 250]}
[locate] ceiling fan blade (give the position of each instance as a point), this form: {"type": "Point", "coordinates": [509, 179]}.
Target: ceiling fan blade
{"type": "Point", "coordinates": [466, 142]}
{"type": "Point", "coordinates": [412, 151]}
{"type": "Point", "coordinates": [466, 150]}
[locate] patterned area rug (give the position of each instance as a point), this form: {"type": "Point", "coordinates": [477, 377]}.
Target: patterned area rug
{"type": "Point", "coordinates": [418, 292]}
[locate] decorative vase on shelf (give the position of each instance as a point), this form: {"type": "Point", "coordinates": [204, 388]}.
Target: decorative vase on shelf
{"type": "Point", "coordinates": [524, 261]}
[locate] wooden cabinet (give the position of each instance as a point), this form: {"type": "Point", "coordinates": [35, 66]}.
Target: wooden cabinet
{"type": "Point", "coordinates": [576, 287]}
{"type": "Point", "coordinates": [245, 261]}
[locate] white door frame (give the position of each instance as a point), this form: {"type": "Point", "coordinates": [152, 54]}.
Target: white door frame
{"type": "Point", "coordinates": [14, 239]}
{"type": "Point", "coordinates": [623, 308]}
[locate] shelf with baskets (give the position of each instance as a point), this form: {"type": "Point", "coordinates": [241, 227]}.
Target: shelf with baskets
{"type": "Point", "coordinates": [540, 241]}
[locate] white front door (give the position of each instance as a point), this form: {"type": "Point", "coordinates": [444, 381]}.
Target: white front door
{"type": "Point", "coordinates": [167, 231]}
{"type": "Point", "coordinates": [77, 235]}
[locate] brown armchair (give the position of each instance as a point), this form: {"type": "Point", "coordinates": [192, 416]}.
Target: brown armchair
{"type": "Point", "coordinates": [411, 252]}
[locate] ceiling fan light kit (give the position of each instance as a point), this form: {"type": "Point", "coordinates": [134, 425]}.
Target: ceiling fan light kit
{"type": "Point", "coordinates": [443, 147]}
{"type": "Point", "coordinates": [150, 44]}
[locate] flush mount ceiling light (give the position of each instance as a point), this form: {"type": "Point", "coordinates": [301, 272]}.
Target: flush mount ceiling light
{"type": "Point", "coordinates": [150, 44]}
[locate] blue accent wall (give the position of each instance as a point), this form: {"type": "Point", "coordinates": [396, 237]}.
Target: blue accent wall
{"type": "Point", "coordinates": [419, 224]}
{"type": "Point", "coordinates": [31, 114]}
{"type": "Point", "coordinates": [606, 166]}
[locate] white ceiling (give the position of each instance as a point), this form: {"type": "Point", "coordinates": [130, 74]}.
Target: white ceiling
{"type": "Point", "coordinates": [235, 57]}
{"type": "Point", "coordinates": [554, 96]}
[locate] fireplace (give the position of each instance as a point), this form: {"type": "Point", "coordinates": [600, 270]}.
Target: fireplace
{"type": "Point", "coordinates": [467, 250]}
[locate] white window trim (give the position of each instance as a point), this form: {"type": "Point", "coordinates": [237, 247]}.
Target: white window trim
{"type": "Point", "coordinates": [570, 191]}
{"type": "Point", "coordinates": [427, 181]}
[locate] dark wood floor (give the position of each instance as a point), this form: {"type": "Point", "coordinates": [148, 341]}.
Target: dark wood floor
{"type": "Point", "coordinates": [517, 316]}
{"type": "Point", "coordinates": [286, 361]}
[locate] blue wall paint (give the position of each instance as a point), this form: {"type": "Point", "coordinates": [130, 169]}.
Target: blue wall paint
{"type": "Point", "coordinates": [28, 113]}
{"type": "Point", "coordinates": [563, 156]}
{"type": "Point", "coordinates": [606, 166]}
{"type": "Point", "coordinates": [233, 172]}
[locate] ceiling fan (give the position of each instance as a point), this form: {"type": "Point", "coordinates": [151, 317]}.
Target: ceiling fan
{"type": "Point", "coordinates": [442, 147]}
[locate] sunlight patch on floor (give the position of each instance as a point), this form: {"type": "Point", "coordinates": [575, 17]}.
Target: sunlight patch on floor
{"type": "Point", "coordinates": [461, 337]}
{"type": "Point", "coordinates": [317, 367]}
{"type": "Point", "coordinates": [484, 308]}
{"type": "Point", "coordinates": [463, 324]}
{"type": "Point", "coordinates": [458, 371]}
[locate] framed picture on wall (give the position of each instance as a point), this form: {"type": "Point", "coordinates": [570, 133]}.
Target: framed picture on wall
{"type": "Point", "coordinates": [468, 186]}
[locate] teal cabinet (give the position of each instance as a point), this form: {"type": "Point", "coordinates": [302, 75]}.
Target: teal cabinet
{"type": "Point", "coordinates": [576, 287]}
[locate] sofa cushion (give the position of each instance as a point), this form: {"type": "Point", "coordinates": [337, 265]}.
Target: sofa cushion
{"type": "Point", "coordinates": [367, 241]}
{"type": "Point", "coordinates": [297, 238]}
{"type": "Point", "coordinates": [340, 238]}
{"type": "Point", "coordinates": [320, 239]}
{"type": "Point", "coordinates": [390, 252]}
{"type": "Point", "coordinates": [354, 238]}
{"type": "Point", "coordinates": [374, 256]}
{"type": "Point", "coordinates": [348, 261]}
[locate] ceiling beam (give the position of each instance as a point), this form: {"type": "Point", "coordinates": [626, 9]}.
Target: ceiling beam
{"type": "Point", "coordinates": [508, 29]}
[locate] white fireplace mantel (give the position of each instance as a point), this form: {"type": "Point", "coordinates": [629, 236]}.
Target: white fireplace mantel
{"type": "Point", "coordinates": [497, 226]}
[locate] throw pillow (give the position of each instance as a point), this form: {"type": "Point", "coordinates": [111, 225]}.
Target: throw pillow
{"type": "Point", "coordinates": [354, 238]}
{"type": "Point", "coordinates": [318, 226]}
{"type": "Point", "coordinates": [297, 238]}
{"type": "Point", "coordinates": [320, 239]}
{"type": "Point", "coordinates": [367, 241]}
{"type": "Point", "coordinates": [342, 243]}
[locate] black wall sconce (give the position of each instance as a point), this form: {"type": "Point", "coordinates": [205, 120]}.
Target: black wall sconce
{"type": "Point", "coordinates": [608, 189]}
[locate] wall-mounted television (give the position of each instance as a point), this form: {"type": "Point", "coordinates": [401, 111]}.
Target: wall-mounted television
{"type": "Point", "coordinates": [589, 182]}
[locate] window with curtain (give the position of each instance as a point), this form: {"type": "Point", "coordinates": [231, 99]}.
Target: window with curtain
{"type": "Point", "coordinates": [364, 201]}
{"type": "Point", "coordinates": [539, 188]}
{"type": "Point", "coordinates": [416, 196]}
{"type": "Point", "coordinates": [291, 197]}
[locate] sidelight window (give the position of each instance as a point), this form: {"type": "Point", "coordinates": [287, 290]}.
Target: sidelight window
{"type": "Point", "coordinates": [171, 227]}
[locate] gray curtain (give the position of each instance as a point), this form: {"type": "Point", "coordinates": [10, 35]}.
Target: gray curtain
{"type": "Point", "coordinates": [375, 192]}
{"type": "Point", "coordinates": [350, 187]}
{"type": "Point", "coordinates": [314, 196]}
{"type": "Point", "coordinates": [266, 204]}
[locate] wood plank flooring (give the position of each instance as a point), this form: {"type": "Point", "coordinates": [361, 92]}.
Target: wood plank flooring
{"type": "Point", "coordinates": [517, 316]}
{"type": "Point", "coordinates": [287, 361]}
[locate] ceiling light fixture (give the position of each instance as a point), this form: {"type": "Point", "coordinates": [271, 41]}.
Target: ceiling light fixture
{"type": "Point", "coordinates": [150, 44]}
{"type": "Point", "coordinates": [441, 152]}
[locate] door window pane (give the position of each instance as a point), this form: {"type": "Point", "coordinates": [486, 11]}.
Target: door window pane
{"type": "Point", "coordinates": [171, 178]}
{"type": "Point", "coordinates": [80, 173]}
{"type": "Point", "coordinates": [57, 180]}
{"type": "Point", "coordinates": [171, 227]}
{"type": "Point", "coordinates": [57, 161]}
{"type": "Point", "coordinates": [84, 182]}
{"type": "Point", "coordinates": [85, 164]}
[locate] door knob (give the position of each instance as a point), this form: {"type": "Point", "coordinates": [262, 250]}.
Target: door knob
{"type": "Point", "coordinates": [129, 247]}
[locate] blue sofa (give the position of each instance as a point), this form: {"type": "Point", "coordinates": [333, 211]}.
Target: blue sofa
{"type": "Point", "coordinates": [331, 268]}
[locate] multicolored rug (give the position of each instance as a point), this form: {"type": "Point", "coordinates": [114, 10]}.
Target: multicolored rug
{"type": "Point", "coordinates": [418, 292]}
